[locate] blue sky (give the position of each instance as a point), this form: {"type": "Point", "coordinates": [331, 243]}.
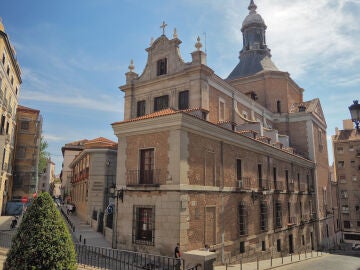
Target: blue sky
{"type": "Point", "coordinates": [74, 54]}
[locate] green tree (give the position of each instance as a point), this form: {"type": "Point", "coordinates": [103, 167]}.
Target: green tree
{"type": "Point", "coordinates": [43, 240]}
{"type": "Point", "coordinates": [43, 155]}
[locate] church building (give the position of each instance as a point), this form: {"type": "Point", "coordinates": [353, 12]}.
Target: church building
{"type": "Point", "coordinates": [237, 163]}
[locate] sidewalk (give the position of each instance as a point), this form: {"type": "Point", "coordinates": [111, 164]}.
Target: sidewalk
{"type": "Point", "coordinates": [84, 231]}
{"type": "Point", "coordinates": [276, 262]}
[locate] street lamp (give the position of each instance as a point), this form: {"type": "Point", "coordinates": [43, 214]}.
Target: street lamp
{"type": "Point", "coordinates": [355, 113]}
{"type": "Point", "coordinates": [116, 194]}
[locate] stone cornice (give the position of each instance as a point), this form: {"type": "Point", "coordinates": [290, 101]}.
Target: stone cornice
{"type": "Point", "coordinates": [185, 73]}
{"type": "Point", "coordinates": [89, 151]}
{"type": "Point", "coordinates": [297, 117]}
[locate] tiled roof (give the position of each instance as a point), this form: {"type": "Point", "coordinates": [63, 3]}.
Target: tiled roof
{"type": "Point", "coordinates": [23, 108]}
{"type": "Point", "coordinates": [309, 106]}
{"type": "Point", "coordinates": [348, 134]}
{"type": "Point", "coordinates": [164, 112]}
{"type": "Point", "coordinates": [100, 142]}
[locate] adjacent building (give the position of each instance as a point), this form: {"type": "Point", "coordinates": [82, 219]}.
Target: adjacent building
{"type": "Point", "coordinates": [69, 152]}
{"type": "Point", "coordinates": [47, 178]}
{"type": "Point", "coordinates": [239, 164]}
{"type": "Point", "coordinates": [346, 147]}
{"type": "Point", "coordinates": [27, 145]}
{"type": "Point", "coordinates": [10, 81]}
{"type": "Point", "coordinates": [93, 174]}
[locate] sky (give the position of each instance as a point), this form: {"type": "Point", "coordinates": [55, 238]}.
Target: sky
{"type": "Point", "coordinates": [74, 54]}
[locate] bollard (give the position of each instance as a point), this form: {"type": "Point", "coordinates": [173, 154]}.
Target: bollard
{"type": "Point", "coordinates": [299, 256]}
{"type": "Point", "coordinates": [240, 264]}
{"type": "Point", "coordinates": [291, 257]}
{"type": "Point", "coordinates": [271, 261]}
{"type": "Point", "coordinates": [282, 259]}
{"type": "Point", "coordinates": [305, 253]}
{"type": "Point", "coordinates": [257, 263]}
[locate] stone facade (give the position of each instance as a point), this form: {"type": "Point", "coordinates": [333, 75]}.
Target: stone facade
{"type": "Point", "coordinates": [346, 147]}
{"type": "Point", "coordinates": [238, 164]}
{"type": "Point", "coordinates": [27, 145]}
{"type": "Point", "coordinates": [10, 81]}
{"type": "Point", "coordinates": [93, 174]}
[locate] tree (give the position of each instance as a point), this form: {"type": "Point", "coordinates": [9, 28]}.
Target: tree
{"type": "Point", "coordinates": [43, 155]}
{"type": "Point", "coordinates": [43, 240]}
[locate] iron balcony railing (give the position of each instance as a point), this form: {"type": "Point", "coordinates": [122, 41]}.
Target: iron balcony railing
{"type": "Point", "coordinates": [302, 187]}
{"type": "Point", "coordinates": [144, 177]}
{"type": "Point", "coordinates": [264, 184]}
{"type": "Point", "coordinates": [290, 187]}
{"type": "Point", "coordinates": [246, 183]}
{"type": "Point", "coordinates": [278, 186]}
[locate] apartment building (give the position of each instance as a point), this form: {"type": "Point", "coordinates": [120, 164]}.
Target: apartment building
{"type": "Point", "coordinates": [47, 178]}
{"type": "Point", "coordinates": [93, 175]}
{"type": "Point", "coordinates": [27, 145]}
{"type": "Point", "coordinates": [346, 147]}
{"type": "Point", "coordinates": [239, 164]}
{"type": "Point", "coordinates": [10, 81]}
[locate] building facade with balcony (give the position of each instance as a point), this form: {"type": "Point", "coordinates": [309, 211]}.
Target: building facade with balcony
{"type": "Point", "coordinates": [27, 146]}
{"type": "Point", "coordinates": [69, 152]}
{"type": "Point", "coordinates": [346, 147]}
{"type": "Point", "coordinates": [10, 81]}
{"type": "Point", "coordinates": [239, 164]}
{"type": "Point", "coordinates": [93, 174]}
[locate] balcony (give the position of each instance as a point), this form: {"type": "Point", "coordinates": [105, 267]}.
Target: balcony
{"type": "Point", "coordinates": [291, 221]}
{"type": "Point", "coordinates": [144, 177]}
{"type": "Point", "coordinates": [290, 187]}
{"type": "Point", "coordinates": [245, 183]}
{"type": "Point", "coordinates": [311, 189]}
{"type": "Point", "coordinates": [278, 186]}
{"type": "Point", "coordinates": [264, 184]}
{"type": "Point", "coordinates": [302, 188]}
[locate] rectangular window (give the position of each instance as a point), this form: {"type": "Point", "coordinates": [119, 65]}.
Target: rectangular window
{"type": "Point", "coordinates": [340, 150]}
{"type": "Point", "coordinates": [278, 245]}
{"type": "Point", "coordinates": [278, 215]}
{"type": "Point", "coordinates": [162, 66]}
{"type": "Point", "coordinates": [345, 209]}
{"type": "Point", "coordinates": [287, 179]}
{"type": "Point", "coordinates": [3, 59]}
{"type": "Point", "coordinates": [161, 103]}
{"type": "Point", "coordinates": [242, 212]}
{"type": "Point", "coordinates": [263, 246]}
{"type": "Point", "coordinates": [342, 179]}
{"type": "Point", "coordinates": [242, 247]}
{"type": "Point", "coordinates": [221, 110]}
{"type": "Point", "coordinates": [184, 100]}
{"type": "Point", "coordinates": [238, 170]}
{"type": "Point", "coordinates": [341, 164]}
{"type": "Point", "coordinates": [24, 125]}
{"type": "Point", "coordinates": [146, 166]}
{"type": "Point", "coordinates": [140, 108]}
{"type": "Point", "coordinates": [346, 224]}
{"type": "Point", "coordinates": [20, 152]}
{"type": "Point", "coordinates": [143, 225]}
{"type": "Point", "coordinates": [344, 194]}
{"type": "Point", "coordinates": [303, 240]}
{"type": "Point", "coordinates": [263, 217]}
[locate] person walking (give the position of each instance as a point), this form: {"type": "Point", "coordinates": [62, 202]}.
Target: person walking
{"type": "Point", "coordinates": [177, 255]}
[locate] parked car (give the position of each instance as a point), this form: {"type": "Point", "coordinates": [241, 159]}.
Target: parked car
{"type": "Point", "coordinates": [356, 246]}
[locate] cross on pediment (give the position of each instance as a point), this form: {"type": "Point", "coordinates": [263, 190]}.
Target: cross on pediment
{"type": "Point", "coordinates": [163, 27]}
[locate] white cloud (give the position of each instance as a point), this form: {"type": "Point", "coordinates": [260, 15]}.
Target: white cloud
{"type": "Point", "coordinates": [53, 138]}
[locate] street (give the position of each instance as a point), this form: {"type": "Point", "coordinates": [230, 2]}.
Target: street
{"type": "Point", "coordinates": [328, 262]}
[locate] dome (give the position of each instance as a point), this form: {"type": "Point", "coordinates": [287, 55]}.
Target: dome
{"type": "Point", "coordinates": [253, 17]}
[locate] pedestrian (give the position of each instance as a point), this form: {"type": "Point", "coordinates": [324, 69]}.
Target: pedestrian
{"type": "Point", "coordinates": [177, 254]}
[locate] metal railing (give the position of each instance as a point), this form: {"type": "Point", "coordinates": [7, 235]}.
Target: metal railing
{"type": "Point", "coordinates": [245, 183]}
{"type": "Point", "coordinates": [278, 186]}
{"type": "Point", "coordinates": [68, 220]}
{"type": "Point", "coordinates": [107, 258]}
{"type": "Point", "coordinates": [144, 177]}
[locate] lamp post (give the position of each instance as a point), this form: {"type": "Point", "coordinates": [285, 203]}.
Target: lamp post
{"type": "Point", "coordinates": [355, 113]}
{"type": "Point", "coordinates": [116, 194]}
